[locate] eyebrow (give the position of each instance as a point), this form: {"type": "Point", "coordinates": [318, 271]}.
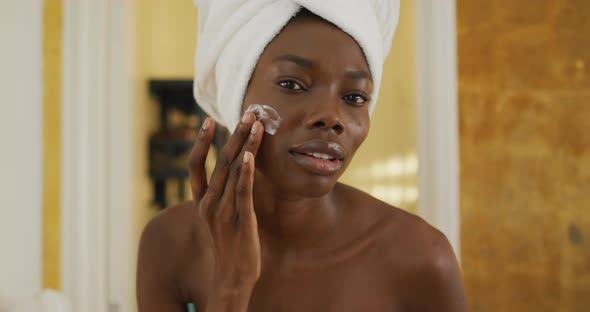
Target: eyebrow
{"type": "Point", "coordinates": [358, 75]}
{"type": "Point", "coordinates": [295, 59]}
{"type": "Point", "coordinates": [353, 74]}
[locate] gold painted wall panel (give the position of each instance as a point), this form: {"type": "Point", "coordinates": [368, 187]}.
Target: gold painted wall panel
{"type": "Point", "coordinates": [524, 102]}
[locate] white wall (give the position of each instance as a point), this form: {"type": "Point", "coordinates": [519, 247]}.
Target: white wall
{"type": "Point", "coordinates": [20, 148]}
{"type": "Point", "coordinates": [438, 132]}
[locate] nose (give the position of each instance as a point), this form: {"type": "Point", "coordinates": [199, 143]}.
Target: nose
{"type": "Point", "coordinates": [325, 116]}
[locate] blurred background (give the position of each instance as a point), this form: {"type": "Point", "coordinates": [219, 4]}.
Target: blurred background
{"type": "Point", "coordinates": [98, 118]}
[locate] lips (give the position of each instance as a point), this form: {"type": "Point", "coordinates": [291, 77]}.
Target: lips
{"type": "Point", "coordinates": [318, 157]}
{"type": "Point", "coordinates": [331, 149]}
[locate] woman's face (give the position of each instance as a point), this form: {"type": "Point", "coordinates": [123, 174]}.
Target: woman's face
{"type": "Point", "coordinates": [316, 77]}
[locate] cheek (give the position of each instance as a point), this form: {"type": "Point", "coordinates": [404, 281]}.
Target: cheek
{"type": "Point", "coordinates": [255, 95]}
{"type": "Point", "coordinates": [359, 130]}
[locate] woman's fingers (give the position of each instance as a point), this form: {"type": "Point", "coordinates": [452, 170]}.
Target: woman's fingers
{"type": "Point", "coordinates": [230, 151]}
{"type": "Point", "coordinates": [236, 245]}
{"type": "Point", "coordinates": [244, 201]}
{"type": "Point", "coordinates": [228, 210]}
{"type": "Point", "coordinates": [255, 139]}
{"type": "Point", "coordinates": [197, 158]}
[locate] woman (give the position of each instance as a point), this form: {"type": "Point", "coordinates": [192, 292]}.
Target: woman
{"type": "Point", "coordinates": [273, 230]}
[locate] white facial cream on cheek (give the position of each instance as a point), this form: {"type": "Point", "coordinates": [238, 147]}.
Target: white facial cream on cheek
{"type": "Point", "coordinates": [267, 115]}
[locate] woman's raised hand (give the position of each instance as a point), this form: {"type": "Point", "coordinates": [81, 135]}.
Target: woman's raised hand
{"type": "Point", "coordinates": [226, 207]}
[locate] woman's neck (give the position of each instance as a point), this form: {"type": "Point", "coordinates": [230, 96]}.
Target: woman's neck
{"type": "Point", "coordinates": [290, 222]}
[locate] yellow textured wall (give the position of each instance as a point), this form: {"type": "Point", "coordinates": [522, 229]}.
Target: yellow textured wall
{"type": "Point", "coordinates": [51, 241]}
{"type": "Point", "coordinates": [165, 34]}
{"type": "Point", "coordinates": [524, 98]}
{"type": "Point", "coordinates": [166, 31]}
{"type": "Point", "coordinates": [164, 42]}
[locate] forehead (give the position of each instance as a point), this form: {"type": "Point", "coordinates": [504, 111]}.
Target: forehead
{"type": "Point", "coordinates": [318, 40]}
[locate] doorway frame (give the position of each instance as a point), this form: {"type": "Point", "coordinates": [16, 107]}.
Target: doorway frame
{"type": "Point", "coordinates": [97, 135]}
{"type": "Point", "coordinates": [437, 117]}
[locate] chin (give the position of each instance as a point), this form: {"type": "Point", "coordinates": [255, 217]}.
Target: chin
{"type": "Point", "coordinates": [307, 185]}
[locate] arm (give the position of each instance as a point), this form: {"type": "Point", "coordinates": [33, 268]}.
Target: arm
{"type": "Point", "coordinates": [224, 208]}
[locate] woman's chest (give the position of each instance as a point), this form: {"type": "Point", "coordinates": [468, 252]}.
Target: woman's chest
{"type": "Point", "coordinates": [335, 289]}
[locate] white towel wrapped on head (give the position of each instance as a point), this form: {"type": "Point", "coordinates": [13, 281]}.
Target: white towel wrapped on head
{"type": "Point", "coordinates": [232, 35]}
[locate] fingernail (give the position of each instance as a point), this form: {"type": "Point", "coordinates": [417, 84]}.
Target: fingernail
{"type": "Point", "coordinates": [255, 128]}
{"type": "Point", "coordinates": [247, 157]}
{"type": "Point", "coordinates": [206, 124]}
{"type": "Point", "coordinates": [247, 118]}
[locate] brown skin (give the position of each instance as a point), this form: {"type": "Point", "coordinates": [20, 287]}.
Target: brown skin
{"type": "Point", "coordinates": [280, 238]}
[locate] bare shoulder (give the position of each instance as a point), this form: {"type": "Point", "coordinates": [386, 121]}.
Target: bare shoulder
{"type": "Point", "coordinates": [170, 229]}
{"type": "Point", "coordinates": [163, 255]}
{"type": "Point", "coordinates": [428, 270]}
{"type": "Point", "coordinates": [418, 257]}
{"type": "Point", "coordinates": [411, 228]}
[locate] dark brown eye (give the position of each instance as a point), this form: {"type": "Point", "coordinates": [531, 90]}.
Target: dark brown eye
{"type": "Point", "coordinates": [290, 84]}
{"type": "Point", "coordinates": [355, 99]}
